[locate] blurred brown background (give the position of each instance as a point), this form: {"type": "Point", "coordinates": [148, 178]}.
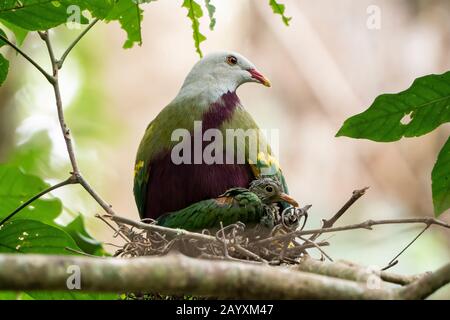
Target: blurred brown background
{"type": "Point", "coordinates": [325, 67]}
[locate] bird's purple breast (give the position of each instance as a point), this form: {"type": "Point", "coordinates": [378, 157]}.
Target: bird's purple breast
{"type": "Point", "coordinates": [173, 187]}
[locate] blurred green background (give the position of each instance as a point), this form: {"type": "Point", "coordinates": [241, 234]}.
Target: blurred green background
{"type": "Point", "coordinates": [325, 67]}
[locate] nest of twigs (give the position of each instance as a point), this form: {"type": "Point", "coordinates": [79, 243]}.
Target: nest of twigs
{"type": "Point", "coordinates": [279, 244]}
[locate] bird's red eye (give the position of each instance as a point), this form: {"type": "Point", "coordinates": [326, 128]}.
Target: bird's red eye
{"type": "Point", "coordinates": [231, 60]}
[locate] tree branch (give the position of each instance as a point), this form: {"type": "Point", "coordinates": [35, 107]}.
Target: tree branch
{"type": "Point", "coordinates": [178, 274]}
{"type": "Point", "coordinates": [427, 284]}
{"type": "Point", "coordinates": [60, 62]}
{"type": "Point", "coordinates": [70, 180]}
{"type": "Point", "coordinates": [27, 57]}
{"type": "Point", "coordinates": [351, 271]}
{"type": "Point", "coordinates": [368, 224]}
{"type": "Point", "coordinates": [65, 129]}
{"type": "Point", "coordinates": [329, 223]}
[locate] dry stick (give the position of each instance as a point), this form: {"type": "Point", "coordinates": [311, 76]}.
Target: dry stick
{"type": "Point", "coordinates": [368, 224]}
{"type": "Point", "coordinates": [224, 240]}
{"type": "Point", "coordinates": [329, 223]}
{"type": "Point", "coordinates": [118, 232]}
{"type": "Point", "coordinates": [169, 231]}
{"type": "Point", "coordinates": [184, 233]}
{"type": "Point", "coordinates": [317, 247]}
{"type": "Point", "coordinates": [27, 57]}
{"type": "Point", "coordinates": [70, 180]}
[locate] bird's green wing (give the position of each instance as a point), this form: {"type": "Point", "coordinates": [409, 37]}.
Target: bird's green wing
{"type": "Point", "coordinates": [237, 204]}
{"type": "Point", "coordinates": [157, 139]}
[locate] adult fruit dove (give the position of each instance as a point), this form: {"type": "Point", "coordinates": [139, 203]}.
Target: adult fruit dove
{"type": "Point", "coordinates": [207, 104]}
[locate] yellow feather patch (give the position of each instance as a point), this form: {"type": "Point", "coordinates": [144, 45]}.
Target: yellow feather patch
{"type": "Point", "coordinates": [267, 162]}
{"type": "Point", "coordinates": [138, 167]}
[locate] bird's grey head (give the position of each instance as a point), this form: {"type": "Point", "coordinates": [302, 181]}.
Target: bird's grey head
{"type": "Point", "coordinates": [221, 72]}
{"type": "Point", "coordinates": [270, 190]}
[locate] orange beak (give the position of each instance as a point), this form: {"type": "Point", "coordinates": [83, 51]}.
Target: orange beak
{"type": "Point", "coordinates": [259, 77]}
{"type": "Point", "coordinates": [289, 199]}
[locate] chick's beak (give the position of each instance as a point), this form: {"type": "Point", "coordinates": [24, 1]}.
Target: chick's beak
{"type": "Point", "coordinates": [259, 77]}
{"type": "Point", "coordinates": [289, 199]}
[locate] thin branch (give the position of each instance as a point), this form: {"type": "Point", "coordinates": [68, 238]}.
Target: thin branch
{"type": "Point", "coordinates": [368, 224]}
{"type": "Point", "coordinates": [168, 231]}
{"type": "Point", "coordinates": [27, 57]}
{"type": "Point", "coordinates": [117, 232]}
{"type": "Point", "coordinates": [106, 206]}
{"type": "Point", "coordinates": [66, 131]}
{"type": "Point", "coordinates": [60, 62]}
{"type": "Point", "coordinates": [317, 247]}
{"type": "Point", "coordinates": [64, 128]}
{"type": "Point", "coordinates": [394, 260]}
{"type": "Point", "coordinates": [399, 278]}
{"type": "Point", "coordinates": [70, 180]}
{"type": "Point", "coordinates": [329, 223]}
{"type": "Point", "coordinates": [351, 271]}
{"type": "Point", "coordinates": [81, 253]}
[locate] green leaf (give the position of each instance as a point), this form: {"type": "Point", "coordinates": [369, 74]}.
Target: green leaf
{"type": "Point", "coordinates": [194, 13]}
{"type": "Point", "coordinates": [33, 156]}
{"type": "Point", "coordinates": [9, 295]}
{"type": "Point", "coordinates": [4, 64]}
{"type": "Point", "coordinates": [411, 113]}
{"type": "Point", "coordinates": [37, 14]}
{"type": "Point", "coordinates": [211, 10]}
{"type": "Point", "coordinates": [440, 178]}
{"type": "Point", "coordinates": [4, 67]}
{"type": "Point", "coordinates": [98, 8]}
{"type": "Point", "coordinates": [2, 33]}
{"type": "Point", "coordinates": [19, 32]}
{"type": "Point", "coordinates": [31, 236]}
{"type": "Point", "coordinates": [279, 8]}
{"type": "Point", "coordinates": [77, 230]}
{"type": "Point", "coordinates": [128, 13]}
{"type": "Point", "coordinates": [17, 187]}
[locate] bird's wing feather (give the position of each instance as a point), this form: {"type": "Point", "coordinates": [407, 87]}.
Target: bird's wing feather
{"type": "Point", "coordinates": [157, 139]}
{"type": "Point", "coordinates": [243, 206]}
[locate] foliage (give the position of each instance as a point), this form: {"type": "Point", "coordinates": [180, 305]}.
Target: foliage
{"type": "Point", "coordinates": [411, 113]}
{"type": "Point", "coordinates": [32, 236]}
{"type": "Point", "coordinates": [279, 8]}
{"type": "Point", "coordinates": [20, 17]}
{"type": "Point", "coordinates": [4, 64]}
{"type": "Point", "coordinates": [17, 187]}
{"type": "Point", "coordinates": [34, 229]}
{"type": "Point", "coordinates": [195, 12]}
{"type": "Point", "coordinates": [211, 11]}
{"type": "Point", "coordinates": [129, 14]}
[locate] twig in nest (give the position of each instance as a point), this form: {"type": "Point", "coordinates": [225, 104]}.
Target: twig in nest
{"type": "Point", "coordinates": [330, 222]}
{"type": "Point", "coordinates": [368, 224]}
